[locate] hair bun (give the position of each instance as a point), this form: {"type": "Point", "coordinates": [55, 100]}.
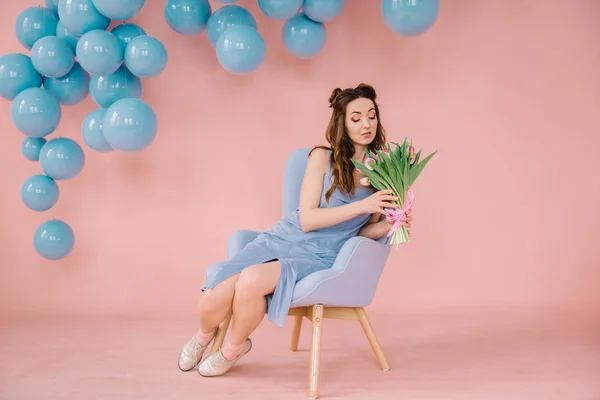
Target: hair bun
{"type": "Point", "coordinates": [334, 96]}
{"type": "Point", "coordinates": [367, 91]}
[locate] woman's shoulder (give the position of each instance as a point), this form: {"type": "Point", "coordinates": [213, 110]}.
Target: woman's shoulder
{"type": "Point", "coordinates": [319, 158]}
{"type": "Point", "coordinates": [320, 152]}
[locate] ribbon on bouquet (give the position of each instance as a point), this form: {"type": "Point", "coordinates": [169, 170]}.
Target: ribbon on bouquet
{"type": "Point", "coordinates": [398, 217]}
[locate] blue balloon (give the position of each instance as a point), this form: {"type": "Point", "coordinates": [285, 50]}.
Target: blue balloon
{"type": "Point", "coordinates": [81, 16]}
{"type": "Point", "coordinates": [304, 37]}
{"type": "Point", "coordinates": [53, 5]}
{"type": "Point", "coordinates": [52, 56]}
{"type": "Point", "coordinates": [35, 112]}
{"type": "Point", "coordinates": [99, 52]}
{"type": "Point", "coordinates": [145, 56]}
{"type": "Point", "coordinates": [187, 17]}
{"type": "Point", "coordinates": [30, 148]}
{"type": "Point", "coordinates": [63, 33]}
{"type": "Point", "coordinates": [130, 125]}
{"type": "Point", "coordinates": [70, 89]}
{"type": "Point", "coordinates": [226, 17]}
{"type": "Point", "coordinates": [62, 158]}
{"type": "Point", "coordinates": [280, 9]}
{"type": "Point", "coordinates": [34, 23]}
{"type": "Point", "coordinates": [17, 74]}
{"type": "Point", "coordinates": [241, 49]}
{"type": "Point", "coordinates": [39, 192]}
{"type": "Point", "coordinates": [125, 32]}
{"type": "Point", "coordinates": [409, 17]}
{"type": "Point", "coordinates": [105, 90]}
{"type": "Point", "coordinates": [322, 10]}
{"type": "Point", "coordinates": [54, 239]}
{"type": "Point", "coordinates": [92, 131]}
{"type": "Point", "coordinates": [119, 10]}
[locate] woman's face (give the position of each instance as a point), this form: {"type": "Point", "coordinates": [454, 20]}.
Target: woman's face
{"type": "Point", "coordinates": [361, 121]}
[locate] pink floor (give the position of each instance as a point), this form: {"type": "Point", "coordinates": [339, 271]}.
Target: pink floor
{"type": "Point", "coordinates": [487, 355]}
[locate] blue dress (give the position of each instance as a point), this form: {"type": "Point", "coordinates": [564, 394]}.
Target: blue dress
{"type": "Point", "coordinates": [299, 253]}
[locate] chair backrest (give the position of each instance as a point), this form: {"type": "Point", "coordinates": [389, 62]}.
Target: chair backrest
{"type": "Point", "coordinates": [292, 179]}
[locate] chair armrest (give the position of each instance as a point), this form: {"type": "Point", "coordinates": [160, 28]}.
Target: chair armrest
{"type": "Point", "coordinates": [239, 240]}
{"type": "Point", "coordinates": [350, 282]}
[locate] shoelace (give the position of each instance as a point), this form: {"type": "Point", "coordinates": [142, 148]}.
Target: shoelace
{"type": "Point", "coordinates": [197, 349]}
{"type": "Point", "coordinates": [219, 359]}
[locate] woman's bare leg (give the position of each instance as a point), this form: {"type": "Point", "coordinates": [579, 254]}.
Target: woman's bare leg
{"type": "Point", "coordinates": [249, 302]}
{"type": "Point", "coordinates": [249, 305]}
{"type": "Point", "coordinates": [214, 304]}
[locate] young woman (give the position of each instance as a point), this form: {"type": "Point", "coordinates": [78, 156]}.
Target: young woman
{"type": "Point", "coordinates": [333, 207]}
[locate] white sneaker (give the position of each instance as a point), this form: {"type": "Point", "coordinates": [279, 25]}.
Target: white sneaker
{"type": "Point", "coordinates": [191, 354]}
{"type": "Point", "coordinates": [215, 364]}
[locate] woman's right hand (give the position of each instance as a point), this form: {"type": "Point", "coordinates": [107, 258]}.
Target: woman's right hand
{"type": "Point", "coordinates": [378, 201]}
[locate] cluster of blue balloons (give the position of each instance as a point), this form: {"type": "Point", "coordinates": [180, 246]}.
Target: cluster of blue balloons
{"type": "Point", "coordinates": [240, 48]}
{"type": "Point", "coordinates": [233, 32]}
{"type": "Point", "coordinates": [72, 54]}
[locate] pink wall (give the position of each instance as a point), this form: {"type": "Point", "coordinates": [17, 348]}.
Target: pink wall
{"type": "Point", "coordinates": [491, 81]}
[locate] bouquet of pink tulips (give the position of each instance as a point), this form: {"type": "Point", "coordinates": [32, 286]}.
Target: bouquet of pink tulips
{"type": "Point", "coordinates": [395, 169]}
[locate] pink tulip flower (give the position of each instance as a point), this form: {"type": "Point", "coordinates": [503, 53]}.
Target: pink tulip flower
{"type": "Point", "coordinates": [369, 160]}
{"type": "Point", "coordinates": [411, 154]}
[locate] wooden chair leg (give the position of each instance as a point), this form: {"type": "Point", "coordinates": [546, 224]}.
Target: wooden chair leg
{"type": "Point", "coordinates": [296, 332]}
{"type": "Point", "coordinates": [220, 334]}
{"type": "Point", "coordinates": [366, 325]}
{"type": "Point", "coordinates": [315, 356]}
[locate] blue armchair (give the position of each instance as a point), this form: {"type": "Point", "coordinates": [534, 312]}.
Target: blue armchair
{"type": "Point", "coordinates": [327, 293]}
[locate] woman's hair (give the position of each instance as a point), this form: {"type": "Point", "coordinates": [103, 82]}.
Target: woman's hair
{"type": "Point", "coordinates": [342, 148]}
